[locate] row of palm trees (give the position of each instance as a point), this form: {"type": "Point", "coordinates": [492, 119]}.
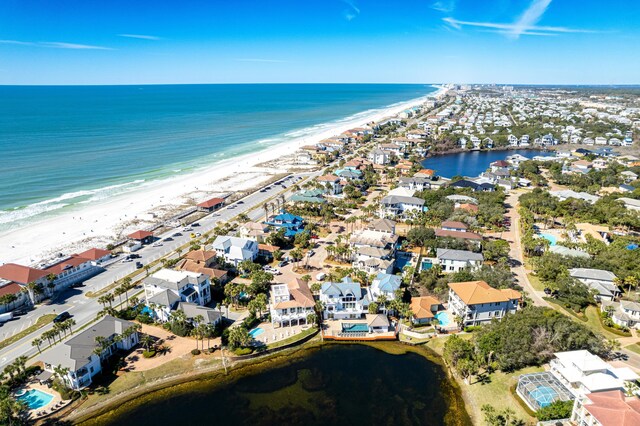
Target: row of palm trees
{"type": "Point", "coordinates": [109, 298]}
{"type": "Point", "coordinates": [57, 333]}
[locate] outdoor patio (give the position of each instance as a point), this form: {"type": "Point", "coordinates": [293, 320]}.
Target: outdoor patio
{"type": "Point", "coordinates": [273, 334]}
{"type": "Point", "coordinates": [52, 406]}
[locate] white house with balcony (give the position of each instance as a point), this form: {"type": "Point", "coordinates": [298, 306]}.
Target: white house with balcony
{"type": "Point", "coordinates": [167, 288]}
{"type": "Point", "coordinates": [476, 302]}
{"type": "Point", "coordinates": [454, 260]}
{"type": "Point", "coordinates": [583, 372]}
{"type": "Point", "coordinates": [625, 313]}
{"type": "Point", "coordinates": [291, 303]}
{"type": "Point", "coordinates": [343, 300]}
{"type": "Point", "coordinates": [235, 250]}
{"type": "Point", "coordinates": [400, 206]}
{"type": "Point", "coordinates": [77, 357]}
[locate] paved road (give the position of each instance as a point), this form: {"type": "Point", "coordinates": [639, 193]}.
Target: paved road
{"type": "Point", "coordinates": [515, 251]}
{"type": "Point", "coordinates": [84, 309]}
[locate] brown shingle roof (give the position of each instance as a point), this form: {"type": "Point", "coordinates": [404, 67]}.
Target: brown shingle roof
{"type": "Point", "coordinates": [477, 292]}
{"type": "Point", "coordinates": [454, 224]}
{"type": "Point", "coordinates": [200, 256]}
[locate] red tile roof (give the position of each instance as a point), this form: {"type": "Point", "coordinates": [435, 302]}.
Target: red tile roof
{"type": "Point", "coordinates": [612, 408]}
{"type": "Point", "coordinates": [211, 203]}
{"type": "Point", "coordinates": [72, 262]}
{"type": "Point", "coordinates": [140, 235]}
{"type": "Point", "coordinates": [20, 274]}
{"type": "Point", "coordinates": [94, 254]}
{"type": "Point", "coordinates": [11, 288]}
{"type": "Point", "coordinates": [454, 224]}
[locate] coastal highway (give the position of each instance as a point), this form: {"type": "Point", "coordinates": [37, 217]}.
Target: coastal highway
{"type": "Point", "coordinates": [84, 309]}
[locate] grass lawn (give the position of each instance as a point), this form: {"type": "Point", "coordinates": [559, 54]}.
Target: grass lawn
{"type": "Point", "coordinates": [41, 322]}
{"type": "Point", "coordinates": [594, 323]}
{"type": "Point", "coordinates": [292, 339]}
{"type": "Point", "coordinates": [496, 393]}
{"type": "Point", "coordinates": [437, 343]}
{"type": "Point", "coordinates": [133, 379]}
{"type": "Point", "coordinates": [535, 282]}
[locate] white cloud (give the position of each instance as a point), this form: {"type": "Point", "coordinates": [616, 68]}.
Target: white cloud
{"type": "Point", "coordinates": [511, 29]}
{"type": "Point", "coordinates": [351, 12]}
{"type": "Point", "coordinates": [444, 5]}
{"type": "Point", "coordinates": [530, 17]}
{"type": "Point", "coordinates": [55, 45]}
{"type": "Point", "coordinates": [140, 36]}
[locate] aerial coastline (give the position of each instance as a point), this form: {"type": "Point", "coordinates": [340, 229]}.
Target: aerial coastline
{"type": "Point", "coordinates": [105, 221]}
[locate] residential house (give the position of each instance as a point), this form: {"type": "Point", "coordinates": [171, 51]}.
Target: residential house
{"type": "Point", "coordinates": [345, 299]}
{"type": "Point", "coordinates": [476, 302]}
{"type": "Point", "coordinates": [385, 285]}
{"type": "Point", "coordinates": [313, 196]}
{"type": "Point", "coordinates": [424, 309]}
{"type": "Point", "coordinates": [78, 354]}
{"type": "Point", "coordinates": [400, 206]}
{"type": "Point", "coordinates": [628, 176]}
{"type": "Point", "coordinates": [454, 226]}
{"type": "Point", "coordinates": [583, 373]}
{"type": "Point", "coordinates": [565, 194]}
{"type": "Point", "coordinates": [601, 281]}
{"type": "Point", "coordinates": [291, 303]}
{"type": "Point", "coordinates": [478, 187]}
{"type": "Point", "coordinates": [454, 260]}
{"type": "Point", "coordinates": [415, 183]}
{"type": "Point", "coordinates": [625, 313]}
{"type": "Point", "coordinates": [167, 287]}
{"type": "Point", "coordinates": [379, 156]}
{"type": "Point", "coordinates": [292, 224]}
{"type": "Point", "coordinates": [254, 231]}
{"type": "Point", "coordinates": [606, 408]}
{"type": "Point", "coordinates": [630, 203]}
{"type": "Point", "coordinates": [235, 250]}
{"type": "Point", "coordinates": [332, 183]}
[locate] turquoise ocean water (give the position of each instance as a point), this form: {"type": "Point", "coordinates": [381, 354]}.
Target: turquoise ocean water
{"type": "Point", "coordinates": [61, 146]}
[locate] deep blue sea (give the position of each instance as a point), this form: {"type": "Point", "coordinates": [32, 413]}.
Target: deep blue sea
{"type": "Point", "coordinates": [62, 145]}
{"type": "Point", "coordinates": [472, 163]}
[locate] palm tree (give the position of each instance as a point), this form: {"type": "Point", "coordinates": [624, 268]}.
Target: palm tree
{"type": "Point", "coordinates": [126, 283]}
{"type": "Point", "coordinates": [119, 291]}
{"type": "Point", "coordinates": [33, 289]}
{"type": "Point", "coordinates": [51, 286]}
{"type": "Point", "coordinates": [37, 342]}
{"type": "Point", "coordinates": [197, 330]}
{"type": "Point", "coordinates": [147, 268]}
{"type": "Point", "coordinates": [146, 341]}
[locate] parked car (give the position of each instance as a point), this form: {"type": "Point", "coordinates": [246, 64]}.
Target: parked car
{"type": "Point", "coordinates": [166, 240]}
{"type": "Point", "coordinates": [195, 224]}
{"type": "Point", "coordinates": [311, 253]}
{"type": "Point", "coordinates": [240, 202]}
{"type": "Point", "coordinates": [126, 260]}
{"type": "Point", "coordinates": [78, 284]}
{"type": "Point", "coordinates": [62, 317]}
{"type": "Point", "coordinates": [158, 244]}
{"type": "Point", "coordinates": [283, 263]}
{"type": "Point", "coordinates": [321, 276]}
{"type": "Point", "coordinates": [134, 256]}
{"type": "Point", "coordinates": [177, 234]}
{"type": "Point", "coordinates": [139, 265]}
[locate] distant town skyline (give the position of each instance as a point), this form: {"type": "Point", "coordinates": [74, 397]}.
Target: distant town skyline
{"type": "Point", "coordinates": [319, 41]}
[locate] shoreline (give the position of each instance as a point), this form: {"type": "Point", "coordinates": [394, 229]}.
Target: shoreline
{"type": "Point", "coordinates": [101, 222]}
{"type": "Point", "coordinates": [457, 413]}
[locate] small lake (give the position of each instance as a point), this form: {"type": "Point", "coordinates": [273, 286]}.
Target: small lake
{"type": "Point", "coordinates": [337, 384]}
{"type": "Point", "coordinates": [472, 163]}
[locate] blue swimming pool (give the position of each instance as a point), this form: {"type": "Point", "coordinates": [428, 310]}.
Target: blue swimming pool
{"type": "Point", "coordinates": [544, 395]}
{"type": "Point", "coordinates": [360, 328]}
{"type": "Point", "coordinates": [443, 318]}
{"type": "Point", "coordinates": [426, 264]}
{"type": "Point", "coordinates": [256, 332]}
{"type": "Point", "coordinates": [551, 238]}
{"type": "Point", "coordinates": [35, 398]}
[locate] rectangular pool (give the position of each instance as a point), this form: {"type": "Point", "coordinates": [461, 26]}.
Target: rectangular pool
{"type": "Point", "coordinates": [360, 328]}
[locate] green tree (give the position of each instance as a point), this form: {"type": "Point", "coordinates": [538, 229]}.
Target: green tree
{"type": "Point", "coordinates": [239, 337]}
{"type": "Point", "coordinates": [556, 410]}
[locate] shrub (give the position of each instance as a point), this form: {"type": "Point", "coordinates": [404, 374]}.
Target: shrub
{"type": "Point", "coordinates": [195, 352]}
{"type": "Point", "coordinates": [242, 351]}
{"type": "Point", "coordinates": [556, 410]}
{"type": "Point", "coordinates": [149, 354]}
{"type": "Point", "coordinates": [144, 318]}
{"type": "Point", "coordinates": [472, 328]}
{"type": "Point", "coordinates": [181, 330]}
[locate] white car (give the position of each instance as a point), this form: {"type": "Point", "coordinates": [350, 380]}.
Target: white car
{"type": "Point", "coordinates": [157, 245]}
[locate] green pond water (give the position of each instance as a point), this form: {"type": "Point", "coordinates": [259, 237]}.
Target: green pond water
{"type": "Point", "coordinates": [333, 385]}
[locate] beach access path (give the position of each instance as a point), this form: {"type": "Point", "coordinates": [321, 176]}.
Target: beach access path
{"type": "Point", "coordinates": [84, 309]}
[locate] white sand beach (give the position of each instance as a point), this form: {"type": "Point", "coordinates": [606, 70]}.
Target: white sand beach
{"type": "Point", "coordinates": [104, 221]}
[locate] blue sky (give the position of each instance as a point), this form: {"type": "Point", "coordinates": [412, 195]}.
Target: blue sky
{"type": "Point", "coordinates": [409, 41]}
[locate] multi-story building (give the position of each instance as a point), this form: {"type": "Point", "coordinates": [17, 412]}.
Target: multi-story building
{"type": "Point", "coordinates": [476, 302]}
{"type": "Point", "coordinates": [291, 303]}
{"type": "Point", "coordinates": [165, 288]}
{"type": "Point", "coordinates": [345, 299]}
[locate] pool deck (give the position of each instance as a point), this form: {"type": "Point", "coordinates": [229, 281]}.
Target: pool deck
{"type": "Point", "coordinates": [333, 331]}
{"type": "Point", "coordinates": [273, 334]}
{"type": "Point", "coordinates": [56, 403]}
